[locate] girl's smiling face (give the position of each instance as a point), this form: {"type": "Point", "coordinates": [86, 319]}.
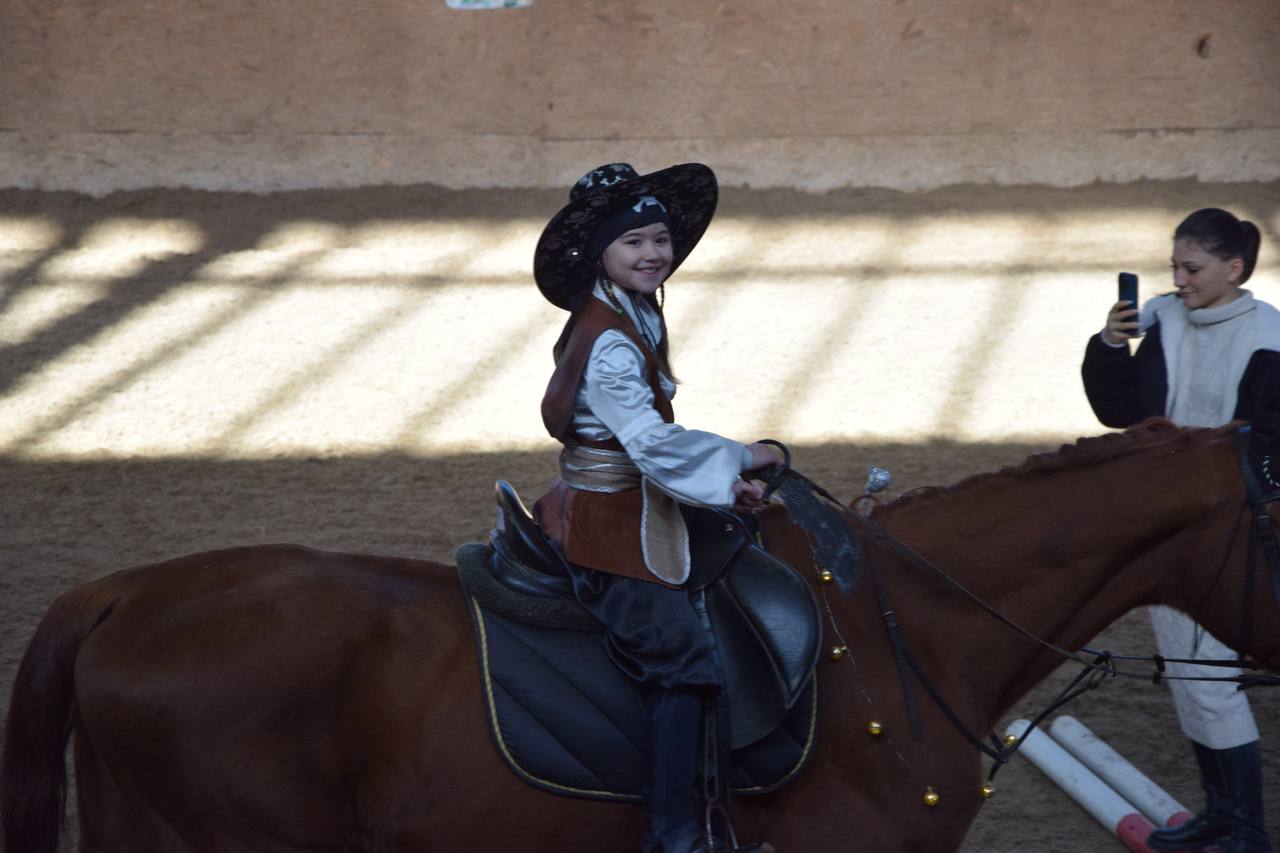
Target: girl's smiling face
{"type": "Point", "coordinates": [1204, 280]}
{"type": "Point", "coordinates": [640, 260]}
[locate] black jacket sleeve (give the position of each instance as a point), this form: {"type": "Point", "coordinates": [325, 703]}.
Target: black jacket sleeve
{"type": "Point", "coordinates": [1258, 401]}
{"type": "Point", "coordinates": [1125, 389]}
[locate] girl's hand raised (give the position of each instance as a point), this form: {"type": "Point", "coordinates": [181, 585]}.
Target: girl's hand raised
{"type": "Point", "coordinates": [1122, 323]}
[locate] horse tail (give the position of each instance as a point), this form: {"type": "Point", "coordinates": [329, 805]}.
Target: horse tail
{"type": "Point", "coordinates": [42, 708]}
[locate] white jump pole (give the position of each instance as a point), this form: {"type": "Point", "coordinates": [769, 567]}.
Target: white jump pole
{"type": "Point", "coordinates": [1082, 785]}
{"type": "Point", "coordinates": [1128, 781]}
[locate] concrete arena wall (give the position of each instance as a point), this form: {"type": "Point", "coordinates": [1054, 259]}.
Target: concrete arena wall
{"type": "Point", "coordinates": [913, 94]}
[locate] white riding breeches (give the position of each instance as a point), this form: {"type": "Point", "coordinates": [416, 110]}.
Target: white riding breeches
{"type": "Point", "coordinates": [1212, 713]}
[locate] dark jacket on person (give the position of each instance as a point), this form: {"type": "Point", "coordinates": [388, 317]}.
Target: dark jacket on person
{"type": "Point", "coordinates": [1126, 389]}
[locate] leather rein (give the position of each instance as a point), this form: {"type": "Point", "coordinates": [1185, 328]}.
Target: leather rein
{"type": "Point", "coordinates": [1093, 671]}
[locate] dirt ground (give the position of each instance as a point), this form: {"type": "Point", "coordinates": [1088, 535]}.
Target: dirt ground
{"type": "Point", "coordinates": [352, 369]}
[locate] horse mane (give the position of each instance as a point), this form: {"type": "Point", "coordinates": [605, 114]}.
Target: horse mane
{"type": "Point", "coordinates": [1154, 435]}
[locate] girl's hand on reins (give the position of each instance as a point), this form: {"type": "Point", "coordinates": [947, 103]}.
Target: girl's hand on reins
{"type": "Point", "coordinates": [762, 456]}
{"type": "Point", "coordinates": [748, 496]}
{"type": "Point", "coordinates": [1122, 323]}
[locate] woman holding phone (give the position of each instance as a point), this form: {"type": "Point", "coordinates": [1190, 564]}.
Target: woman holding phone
{"type": "Point", "coordinates": [1210, 354]}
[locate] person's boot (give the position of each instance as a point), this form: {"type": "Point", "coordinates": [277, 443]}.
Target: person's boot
{"type": "Point", "coordinates": [1211, 826]}
{"type": "Point", "coordinates": [1241, 769]}
{"type": "Point", "coordinates": [675, 719]}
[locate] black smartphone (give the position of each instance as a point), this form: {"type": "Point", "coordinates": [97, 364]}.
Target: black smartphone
{"type": "Point", "coordinates": [1129, 288]}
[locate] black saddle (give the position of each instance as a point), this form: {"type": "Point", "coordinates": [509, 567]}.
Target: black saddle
{"type": "Point", "coordinates": [762, 613]}
{"type": "Point", "coordinates": [566, 719]}
{"type": "Point", "coordinates": [523, 558]}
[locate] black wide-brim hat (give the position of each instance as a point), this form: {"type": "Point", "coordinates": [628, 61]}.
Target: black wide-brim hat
{"type": "Point", "coordinates": [561, 265]}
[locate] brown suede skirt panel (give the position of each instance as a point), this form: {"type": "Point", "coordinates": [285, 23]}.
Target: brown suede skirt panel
{"type": "Point", "coordinates": [598, 530]}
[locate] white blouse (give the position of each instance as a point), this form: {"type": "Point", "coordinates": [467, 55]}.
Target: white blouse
{"type": "Point", "coordinates": [615, 400]}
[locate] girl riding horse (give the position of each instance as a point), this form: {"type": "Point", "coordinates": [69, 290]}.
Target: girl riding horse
{"type": "Point", "coordinates": [627, 467]}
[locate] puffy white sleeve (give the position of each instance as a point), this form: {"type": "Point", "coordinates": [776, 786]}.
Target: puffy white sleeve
{"type": "Point", "coordinates": [692, 466]}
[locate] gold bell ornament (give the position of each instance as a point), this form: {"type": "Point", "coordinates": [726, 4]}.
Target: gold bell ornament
{"type": "Point", "coordinates": [988, 791]}
{"type": "Point", "coordinates": [874, 728]}
{"type": "Point", "coordinates": [837, 652]}
{"type": "Point", "coordinates": [826, 576]}
{"type": "Point", "coordinates": [930, 797]}
{"type": "Point", "coordinates": [1010, 740]}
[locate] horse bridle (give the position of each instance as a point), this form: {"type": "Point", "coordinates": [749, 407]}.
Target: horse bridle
{"type": "Point", "coordinates": [1263, 529]}
{"type": "Point", "coordinates": [1093, 671]}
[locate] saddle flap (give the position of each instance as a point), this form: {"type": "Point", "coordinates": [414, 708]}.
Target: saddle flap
{"type": "Point", "coordinates": [766, 623]}
{"type": "Point", "coordinates": [781, 607]}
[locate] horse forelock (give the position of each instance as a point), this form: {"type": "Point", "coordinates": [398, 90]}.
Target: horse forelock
{"type": "Point", "coordinates": [1154, 436]}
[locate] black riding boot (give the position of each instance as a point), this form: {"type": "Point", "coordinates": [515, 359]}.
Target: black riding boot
{"type": "Point", "coordinates": [1241, 769]}
{"type": "Point", "coordinates": [1233, 815]}
{"type": "Point", "coordinates": [1209, 827]}
{"type": "Point", "coordinates": [675, 719]}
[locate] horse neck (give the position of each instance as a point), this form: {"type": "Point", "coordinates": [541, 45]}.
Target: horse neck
{"type": "Point", "coordinates": [1062, 553]}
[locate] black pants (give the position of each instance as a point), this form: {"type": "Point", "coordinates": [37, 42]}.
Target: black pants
{"type": "Point", "coordinates": [654, 633]}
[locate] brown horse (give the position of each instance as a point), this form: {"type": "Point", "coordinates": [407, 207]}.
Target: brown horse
{"type": "Point", "coordinates": [283, 699]}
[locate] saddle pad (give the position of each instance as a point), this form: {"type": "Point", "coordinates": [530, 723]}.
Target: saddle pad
{"type": "Point", "coordinates": [567, 720]}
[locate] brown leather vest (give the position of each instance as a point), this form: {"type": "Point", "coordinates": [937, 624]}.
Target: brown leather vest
{"type": "Point", "coordinates": [598, 530]}
{"type": "Point", "coordinates": [592, 319]}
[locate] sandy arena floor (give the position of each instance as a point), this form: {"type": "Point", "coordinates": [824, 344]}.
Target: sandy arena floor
{"type": "Point", "coordinates": [352, 370]}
